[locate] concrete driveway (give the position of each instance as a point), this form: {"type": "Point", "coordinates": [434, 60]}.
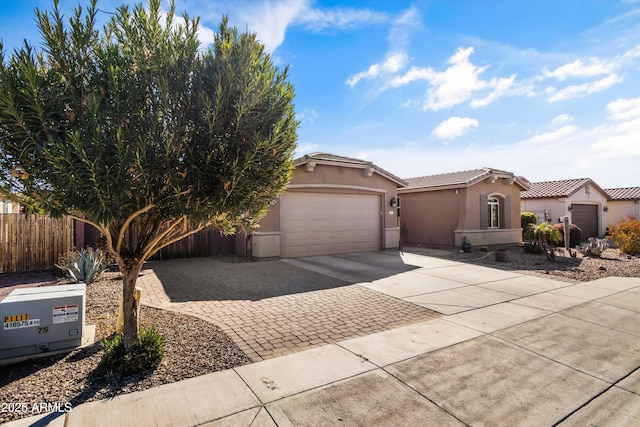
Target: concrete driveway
{"type": "Point", "coordinates": [516, 351]}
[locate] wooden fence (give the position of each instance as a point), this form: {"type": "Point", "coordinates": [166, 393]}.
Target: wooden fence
{"type": "Point", "coordinates": [33, 242]}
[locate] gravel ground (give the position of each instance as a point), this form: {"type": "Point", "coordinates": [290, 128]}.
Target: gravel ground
{"type": "Point", "coordinates": [193, 347]}
{"type": "Point", "coordinates": [565, 267]}
{"type": "Point", "coordinates": [70, 379]}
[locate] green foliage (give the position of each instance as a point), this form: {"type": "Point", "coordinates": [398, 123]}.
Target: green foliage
{"type": "Point", "coordinates": [84, 265]}
{"type": "Point", "coordinates": [547, 232]}
{"type": "Point", "coordinates": [138, 131]}
{"type": "Point", "coordinates": [594, 248]}
{"type": "Point", "coordinates": [527, 221]}
{"type": "Point", "coordinates": [146, 354]}
{"type": "Point", "coordinates": [626, 235]}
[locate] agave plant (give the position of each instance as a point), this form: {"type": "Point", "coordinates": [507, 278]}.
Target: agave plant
{"type": "Point", "coordinates": [85, 265]}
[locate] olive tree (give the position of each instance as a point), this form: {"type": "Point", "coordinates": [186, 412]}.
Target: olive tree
{"type": "Point", "coordinates": [135, 129]}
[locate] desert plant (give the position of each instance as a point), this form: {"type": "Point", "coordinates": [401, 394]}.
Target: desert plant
{"type": "Point", "coordinates": [146, 354]}
{"type": "Point", "coordinates": [575, 234]}
{"type": "Point", "coordinates": [84, 265]}
{"type": "Point", "coordinates": [594, 248]}
{"type": "Point", "coordinates": [626, 236]}
{"type": "Point", "coordinates": [527, 220]}
{"type": "Point", "coordinates": [548, 237]}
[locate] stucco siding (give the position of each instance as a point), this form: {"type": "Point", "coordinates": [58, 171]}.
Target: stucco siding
{"type": "Point", "coordinates": [429, 218]}
{"type": "Point", "coordinates": [620, 210]}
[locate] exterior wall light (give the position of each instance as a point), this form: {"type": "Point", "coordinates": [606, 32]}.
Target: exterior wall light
{"type": "Point", "coordinates": [570, 208]}
{"type": "Point", "coordinates": [393, 202]}
{"type": "Point", "coordinates": [605, 208]}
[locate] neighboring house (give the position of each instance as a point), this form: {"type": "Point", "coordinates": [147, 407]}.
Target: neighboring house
{"type": "Point", "coordinates": [482, 205]}
{"type": "Point", "coordinates": [7, 206]}
{"type": "Point", "coordinates": [624, 202]}
{"type": "Point", "coordinates": [332, 205]}
{"type": "Point", "coordinates": [581, 199]}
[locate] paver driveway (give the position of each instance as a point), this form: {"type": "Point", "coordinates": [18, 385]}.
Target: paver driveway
{"type": "Point", "coordinates": [273, 308]}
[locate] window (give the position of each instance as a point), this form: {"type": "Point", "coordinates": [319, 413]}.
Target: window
{"type": "Point", "coordinates": [494, 213]}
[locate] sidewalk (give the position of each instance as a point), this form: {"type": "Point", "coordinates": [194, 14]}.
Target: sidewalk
{"type": "Point", "coordinates": [551, 352]}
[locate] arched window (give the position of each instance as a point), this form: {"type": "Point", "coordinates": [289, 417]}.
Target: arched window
{"type": "Point", "coordinates": [494, 212]}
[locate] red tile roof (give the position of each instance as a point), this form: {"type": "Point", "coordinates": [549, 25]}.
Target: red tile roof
{"type": "Point", "coordinates": [548, 189]}
{"type": "Point", "coordinates": [625, 193]}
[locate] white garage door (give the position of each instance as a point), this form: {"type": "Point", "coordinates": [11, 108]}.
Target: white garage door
{"type": "Point", "coordinates": [326, 224]}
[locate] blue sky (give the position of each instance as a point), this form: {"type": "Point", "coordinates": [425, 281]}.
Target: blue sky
{"type": "Point", "coordinates": [545, 89]}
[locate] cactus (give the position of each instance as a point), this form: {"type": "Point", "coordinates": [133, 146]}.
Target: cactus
{"type": "Point", "coordinates": [594, 248]}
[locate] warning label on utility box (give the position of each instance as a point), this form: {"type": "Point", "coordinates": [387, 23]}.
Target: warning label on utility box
{"type": "Point", "coordinates": [65, 313]}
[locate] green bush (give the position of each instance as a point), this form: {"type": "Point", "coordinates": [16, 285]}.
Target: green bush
{"type": "Point", "coordinates": [84, 266]}
{"type": "Point", "coordinates": [146, 355]}
{"type": "Point", "coordinates": [626, 235]}
{"type": "Point", "coordinates": [527, 220]}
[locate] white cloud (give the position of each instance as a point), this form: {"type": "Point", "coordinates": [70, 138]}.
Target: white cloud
{"type": "Point", "coordinates": [592, 67]}
{"type": "Point", "coordinates": [556, 136]}
{"type": "Point", "coordinates": [269, 20]}
{"type": "Point", "coordinates": [320, 19]}
{"type": "Point", "coordinates": [396, 58]}
{"type": "Point", "coordinates": [624, 109]}
{"type": "Point", "coordinates": [584, 89]}
{"type": "Point", "coordinates": [453, 127]}
{"type": "Point", "coordinates": [392, 64]}
{"type": "Point", "coordinates": [206, 36]}
{"type": "Point", "coordinates": [562, 118]}
{"type": "Point", "coordinates": [456, 84]}
{"type": "Point", "coordinates": [308, 114]}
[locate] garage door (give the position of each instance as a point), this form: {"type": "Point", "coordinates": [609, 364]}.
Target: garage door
{"type": "Point", "coordinates": [586, 217]}
{"type": "Point", "coordinates": [326, 224]}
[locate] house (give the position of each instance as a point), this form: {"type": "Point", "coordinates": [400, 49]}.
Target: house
{"type": "Point", "coordinates": [581, 199]}
{"type": "Point", "coordinates": [481, 205]}
{"type": "Point", "coordinates": [332, 205]}
{"type": "Point", "coordinates": [7, 206]}
{"type": "Point", "coordinates": [623, 203]}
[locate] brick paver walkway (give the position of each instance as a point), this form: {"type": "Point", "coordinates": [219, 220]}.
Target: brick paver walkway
{"type": "Point", "coordinates": [273, 308]}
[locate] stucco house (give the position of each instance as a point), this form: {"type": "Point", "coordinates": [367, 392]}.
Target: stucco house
{"type": "Point", "coordinates": [623, 203]}
{"type": "Point", "coordinates": [481, 205]}
{"type": "Point", "coordinates": [581, 199]}
{"type": "Point", "coordinates": [332, 205]}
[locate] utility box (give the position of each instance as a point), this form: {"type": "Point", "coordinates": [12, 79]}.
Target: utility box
{"type": "Point", "coordinates": [39, 320]}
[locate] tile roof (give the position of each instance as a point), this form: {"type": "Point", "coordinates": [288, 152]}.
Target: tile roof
{"type": "Point", "coordinates": [547, 189]}
{"type": "Point", "coordinates": [330, 158]}
{"type": "Point", "coordinates": [626, 193]}
{"type": "Point", "coordinates": [462, 178]}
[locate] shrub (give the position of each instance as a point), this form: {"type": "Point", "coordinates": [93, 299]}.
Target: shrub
{"type": "Point", "coordinates": [532, 248]}
{"type": "Point", "coordinates": [595, 248]}
{"type": "Point", "coordinates": [527, 220]}
{"type": "Point", "coordinates": [575, 234]}
{"type": "Point", "coordinates": [145, 355]}
{"type": "Point", "coordinates": [84, 266]}
{"type": "Point", "coordinates": [626, 235]}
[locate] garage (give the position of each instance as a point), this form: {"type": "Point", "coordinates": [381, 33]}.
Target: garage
{"type": "Point", "coordinates": [329, 223]}
{"type": "Point", "coordinates": [585, 217]}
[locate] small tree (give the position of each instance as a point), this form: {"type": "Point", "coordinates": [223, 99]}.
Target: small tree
{"type": "Point", "coordinates": [135, 131]}
{"type": "Point", "coordinates": [548, 237]}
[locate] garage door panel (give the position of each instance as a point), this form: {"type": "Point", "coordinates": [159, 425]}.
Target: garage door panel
{"type": "Point", "coordinates": [323, 223]}
{"type": "Point", "coordinates": [586, 217]}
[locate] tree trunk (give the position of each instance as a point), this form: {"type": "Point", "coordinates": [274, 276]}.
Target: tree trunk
{"type": "Point", "coordinates": [129, 304]}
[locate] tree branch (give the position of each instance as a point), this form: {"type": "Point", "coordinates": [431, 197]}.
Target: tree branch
{"type": "Point", "coordinates": [127, 222]}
